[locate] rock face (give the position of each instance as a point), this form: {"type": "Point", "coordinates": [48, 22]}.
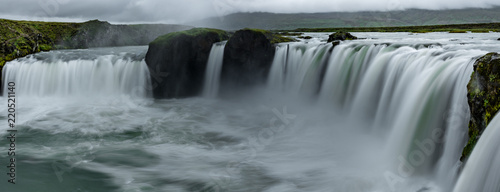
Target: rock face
{"type": "Point", "coordinates": [483, 97]}
{"type": "Point", "coordinates": [341, 36]}
{"type": "Point", "coordinates": [177, 61]}
{"type": "Point", "coordinates": [248, 56]}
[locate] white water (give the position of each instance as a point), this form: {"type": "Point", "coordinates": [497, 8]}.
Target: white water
{"type": "Point", "coordinates": [413, 97]}
{"type": "Point", "coordinates": [214, 67]}
{"type": "Point", "coordinates": [296, 68]}
{"type": "Point", "coordinates": [327, 121]}
{"type": "Point", "coordinates": [482, 171]}
{"type": "Point", "coordinates": [103, 75]}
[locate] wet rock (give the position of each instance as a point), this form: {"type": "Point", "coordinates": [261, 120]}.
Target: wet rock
{"type": "Point", "coordinates": [342, 36]}
{"type": "Point", "coordinates": [248, 56]}
{"type": "Point", "coordinates": [483, 97]}
{"type": "Point", "coordinates": [177, 61]}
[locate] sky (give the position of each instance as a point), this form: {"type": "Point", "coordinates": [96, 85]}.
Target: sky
{"type": "Point", "coordinates": [182, 11]}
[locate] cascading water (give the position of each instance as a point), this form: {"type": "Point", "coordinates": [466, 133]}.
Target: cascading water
{"type": "Point", "coordinates": [482, 170]}
{"type": "Point", "coordinates": [71, 74]}
{"type": "Point", "coordinates": [412, 95]}
{"type": "Point", "coordinates": [383, 114]}
{"type": "Point", "coordinates": [297, 68]}
{"type": "Point", "coordinates": [214, 67]}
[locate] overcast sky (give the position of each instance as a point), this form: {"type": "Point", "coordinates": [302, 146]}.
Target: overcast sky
{"type": "Point", "coordinates": [180, 11]}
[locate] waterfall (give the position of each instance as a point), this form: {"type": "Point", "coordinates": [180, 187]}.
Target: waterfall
{"type": "Point", "coordinates": [413, 96]}
{"type": "Point", "coordinates": [214, 67]}
{"type": "Point", "coordinates": [297, 68]}
{"type": "Point", "coordinates": [63, 75]}
{"type": "Point", "coordinates": [482, 170]}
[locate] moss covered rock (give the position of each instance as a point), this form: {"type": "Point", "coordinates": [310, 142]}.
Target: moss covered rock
{"type": "Point", "coordinates": [341, 36]}
{"type": "Point", "coordinates": [248, 56]}
{"type": "Point", "coordinates": [178, 60]}
{"type": "Point", "coordinates": [272, 37]}
{"type": "Point", "coordinates": [335, 43]}
{"type": "Point", "coordinates": [483, 97]}
{"type": "Point", "coordinates": [20, 38]}
{"type": "Point", "coordinates": [304, 37]}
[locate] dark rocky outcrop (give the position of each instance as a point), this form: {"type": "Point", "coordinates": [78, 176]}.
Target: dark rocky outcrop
{"type": "Point", "coordinates": [498, 39]}
{"type": "Point", "coordinates": [335, 43]}
{"type": "Point", "coordinates": [248, 56]}
{"type": "Point", "coordinates": [177, 61]}
{"type": "Point", "coordinates": [483, 97]}
{"type": "Point", "coordinates": [341, 36]}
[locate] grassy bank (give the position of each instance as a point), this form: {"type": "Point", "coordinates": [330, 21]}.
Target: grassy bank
{"type": "Point", "coordinates": [20, 38]}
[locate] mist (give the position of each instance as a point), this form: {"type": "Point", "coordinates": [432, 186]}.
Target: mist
{"type": "Point", "coordinates": [178, 12]}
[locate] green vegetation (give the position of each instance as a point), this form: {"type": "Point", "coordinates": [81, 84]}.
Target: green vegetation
{"type": "Point", "coordinates": [290, 34]}
{"type": "Point", "coordinates": [484, 97]}
{"type": "Point", "coordinates": [20, 38]}
{"type": "Point", "coordinates": [457, 31]}
{"type": "Point", "coordinates": [272, 36]}
{"type": "Point", "coordinates": [165, 39]}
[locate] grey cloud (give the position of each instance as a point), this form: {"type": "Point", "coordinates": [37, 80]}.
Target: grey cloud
{"type": "Point", "coordinates": [179, 11]}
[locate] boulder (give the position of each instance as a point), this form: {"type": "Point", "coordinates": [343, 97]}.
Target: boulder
{"type": "Point", "coordinates": [498, 39]}
{"type": "Point", "coordinates": [177, 61]}
{"type": "Point", "coordinates": [483, 97]}
{"type": "Point", "coordinates": [341, 36]}
{"type": "Point", "coordinates": [248, 56]}
{"type": "Point", "coordinates": [335, 43]}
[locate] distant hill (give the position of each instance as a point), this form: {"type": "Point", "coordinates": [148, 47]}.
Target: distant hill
{"type": "Point", "coordinates": [412, 17]}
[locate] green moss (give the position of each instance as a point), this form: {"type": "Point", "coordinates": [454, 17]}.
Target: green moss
{"type": "Point", "coordinates": [165, 39]}
{"type": "Point", "coordinates": [457, 31]}
{"type": "Point", "coordinates": [480, 30]}
{"type": "Point", "coordinates": [45, 47]}
{"type": "Point", "coordinates": [21, 38]}
{"type": "Point", "coordinates": [484, 97]}
{"type": "Point", "coordinates": [473, 137]}
{"type": "Point", "coordinates": [492, 77]}
{"type": "Point", "coordinates": [273, 37]}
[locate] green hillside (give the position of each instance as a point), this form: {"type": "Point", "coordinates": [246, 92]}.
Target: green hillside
{"type": "Point", "coordinates": [20, 38]}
